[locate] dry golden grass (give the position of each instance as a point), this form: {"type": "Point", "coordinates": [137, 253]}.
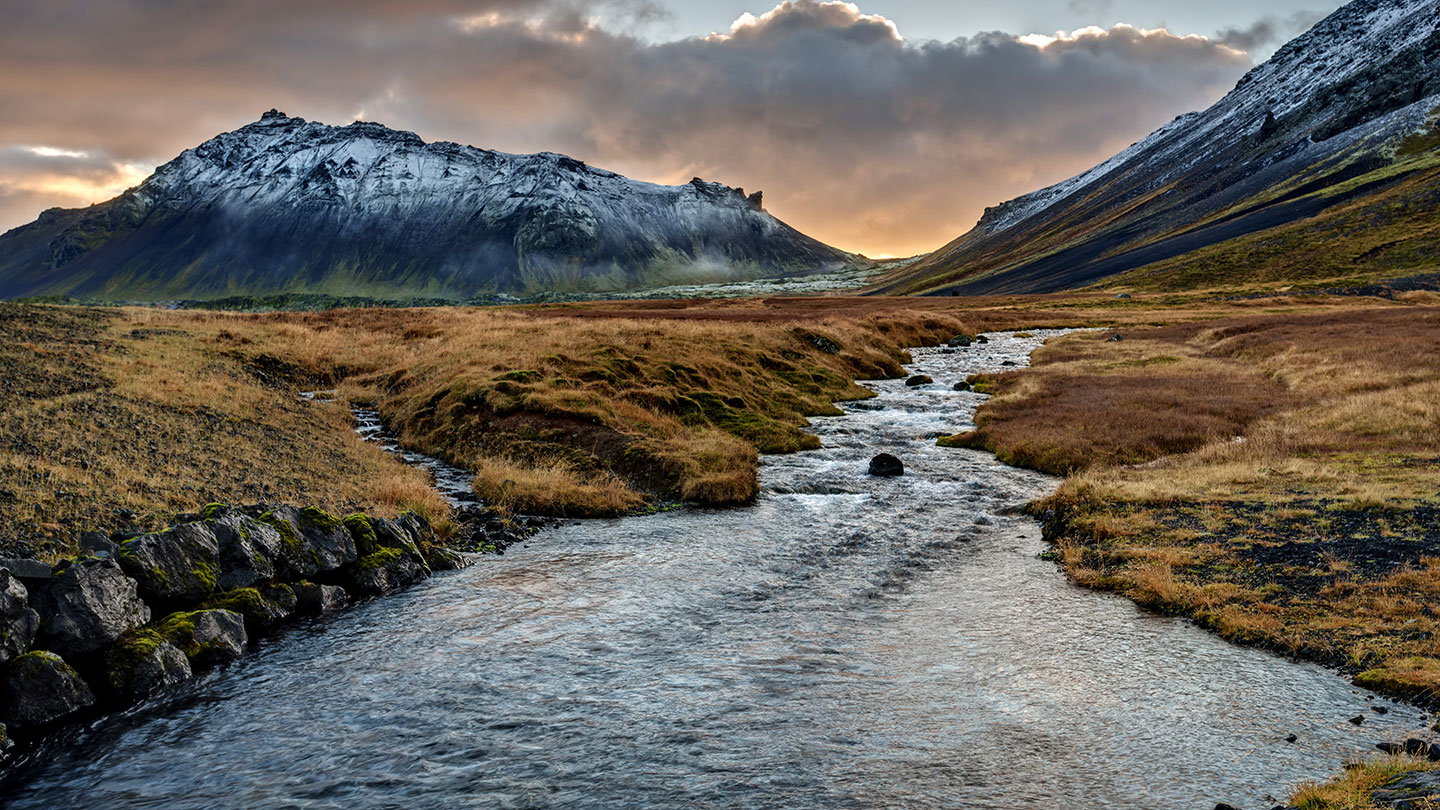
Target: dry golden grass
{"type": "Point", "coordinates": [1353, 790]}
{"type": "Point", "coordinates": [553, 488]}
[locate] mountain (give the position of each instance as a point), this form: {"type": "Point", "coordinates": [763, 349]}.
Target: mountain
{"type": "Point", "coordinates": [286, 205]}
{"type": "Point", "coordinates": [1321, 164]}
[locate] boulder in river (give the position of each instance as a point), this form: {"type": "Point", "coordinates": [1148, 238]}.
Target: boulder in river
{"type": "Point", "coordinates": [41, 688]}
{"type": "Point", "coordinates": [262, 607]}
{"type": "Point", "coordinates": [312, 598]}
{"type": "Point", "coordinates": [918, 380]}
{"type": "Point", "coordinates": [386, 571]}
{"type": "Point", "coordinates": [207, 637]}
{"type": "Point", "coordinates": [142, 663]}
{"type": "Point", "coordinates": [886, 466]}
{"type": "Point", "coordinates": [18, 621]}
{"type": "Point", "coordinates": [960, 341]}
{"type": "Point", "coordinates": [85, 607]}
{"type": "Point", "coordinates": [180, 566]}
{"type": "Point", "coordinates": [962, 386]}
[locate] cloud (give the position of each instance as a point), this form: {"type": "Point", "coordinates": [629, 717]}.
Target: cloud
{"type": "Point", "coordinates": [857, 136]}
{"type": "Point", "coordinates": [1267, 31]}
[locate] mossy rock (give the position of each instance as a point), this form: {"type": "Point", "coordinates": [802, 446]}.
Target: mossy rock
{"type": "Point", "coordinates": [207, 637]}
{"type": "Point", "coordinates": [363, 531]}
{"type": "Point", "coordinates": [262, 609]}
{"type": "Point", "coordinates": [143, 663]}
{"type": "Point", "coordinates": [41, 688]}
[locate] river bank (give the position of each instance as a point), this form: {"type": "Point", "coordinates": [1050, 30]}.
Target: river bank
{"type": "Point", "coordinates": [846, 641]}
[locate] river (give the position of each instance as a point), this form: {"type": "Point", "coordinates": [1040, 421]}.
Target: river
{"type": "Point", "coordinates": [846, 642]}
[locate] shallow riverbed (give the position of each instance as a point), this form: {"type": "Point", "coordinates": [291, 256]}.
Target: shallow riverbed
{"type": "Point", "coordinates": [848, 641]}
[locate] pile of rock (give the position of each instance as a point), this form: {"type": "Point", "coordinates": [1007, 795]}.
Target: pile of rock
{"type": "Point", "coordinates": [133, 617]}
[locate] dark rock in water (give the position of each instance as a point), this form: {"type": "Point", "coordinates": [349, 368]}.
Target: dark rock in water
{"type": "Point", "coordinates": [176, 567]}
{"type": "Point", "coordinates": [1224, 806]}
{"type": "Point", "coordinates": [1292, 738]}
{"type": "Point", "coordinates": [315, 599]}
{"type": "Point", "coordinates": [41, 688]}
{"type": "Point", "coordinates": [1416, 747]}
{"type": "Point", "coordinates": [443, 559]}
{"type": "Point", "coordinates": [918, 379]}
{"type": "Point", "coordinates": [27, 570]}
{"type": "Point", "coordinates": [98, 544]}
{"type": "Point", "coordinates": [313, 542]}
{"type": "Point", "coordinates": [18, 621]}
{"type": "Point", "coordinates": [142, 663]}
{"type": "Point", "coordinates": [886, 466]}
{"type": "Point", "coordinates": [1009, 363]}
{"type": "Point", "coordinates": [1116, 338]}
{"type": "Point", "coordinates": [1379, 710]}
{"type": "Point", "coordinates": [1389, 747]}
{"type": "Point", "coordinates": [960, 341]}
{"type": "Point", "coordinates": [1358, 719]}
{"type": "Point", "coordinates": [1433, 752]}
{"type": "Point", "coordinates": [981, 339]}
{"type": "Point", "coordinates": [262, 607]}
{"type": "Point", "coordinates": [85, 607]}
{"type": "Point", "coordinates": [386, 571]}
{"type": "Point", "coordinates": [249, 550]}
{"type": "Point", "coordinates": [207, 637]}
{"type": "Point", "coordinates": [962, 386]}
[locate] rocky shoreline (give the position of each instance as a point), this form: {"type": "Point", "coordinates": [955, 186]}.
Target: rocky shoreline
{"type": "Point", "coordinates": [135, 614]}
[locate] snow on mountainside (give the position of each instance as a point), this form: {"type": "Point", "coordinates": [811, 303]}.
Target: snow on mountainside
{"type": "Point", "coordinates": [1365, 74]}
{"type": "Point", "coordinates": [289, 205]}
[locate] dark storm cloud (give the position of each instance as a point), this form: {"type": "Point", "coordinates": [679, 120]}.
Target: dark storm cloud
{"type": "Point", "coordinates": [1268, 31]}
{"type": "Point", "coordinates": [856, 135]}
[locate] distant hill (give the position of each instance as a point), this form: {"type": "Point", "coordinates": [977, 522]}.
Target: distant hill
{"type": "Point", "coordinates": [286, 205]}
{"type": "Point", "coordinates": [1321, 165]}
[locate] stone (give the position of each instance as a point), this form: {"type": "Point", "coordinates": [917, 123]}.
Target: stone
{"type": "Point", "coordinates": [249, 550]}
{"type": "Point", "coordinates": [886, 466]}
{"type": "Point", "coordinates": [316, 599]}
{"type": "Point", "coordinates": [440, 558]}
{"type": "Point", "coordinates": [1009, 363]}
{"type": "Point", "coordinates": [142, 663]}
{"type": "Point", "coordinates": [1224, 806]}
{"type": "Point", "coordinates": [1358, 719]}
{"type": "Point", "coordinates": [262, 607]}
{"type": "Point", "coordinates": [962, 386]}
{"type": "Point", "coordinates": [1123, 297]}
{"type": "Point", "coordinates": [960, 341]}
{"type": "Point", "coordinates": [1292, 738]}
{"type": "Point", "coordinates": [312, 542]}
{"type": "Point", "coordinates": [918, 380]}
{"type": "Point", "coordinates": [1116, 338]}
{"type": "Point", "coordinates": [1417, 790]}
{"type": "Point", "coordinates": [180, 566]}
{"type": "Point", "coordinates": [40, 688]}
{"type": "Point", "coordinates": [98, 544]}
{"type": "Point", "coordinates": [27, 569]}
{"type": "Point", "coordinates": [386, 571]}
{"type": "Point", "coordinates": [85, 607]}
{"type": "Point", "coordinates": [207, 637]}
{"type": "Point", "coordinates": [1433, 752]}
{"type": "Point", "coordinates": [18, 621]}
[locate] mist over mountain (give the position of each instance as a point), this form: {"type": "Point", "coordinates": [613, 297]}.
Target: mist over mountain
{"type": "Point", "coordinates": [285, 205]}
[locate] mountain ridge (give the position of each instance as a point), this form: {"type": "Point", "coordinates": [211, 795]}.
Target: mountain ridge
{"type": "Point", "coordinates": [285, 205]}
{"type": "Point", "coordinates": [1329, 108]}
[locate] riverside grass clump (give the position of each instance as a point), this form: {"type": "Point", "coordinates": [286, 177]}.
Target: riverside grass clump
{"type": "Point", "coordinates": [1276, 477]}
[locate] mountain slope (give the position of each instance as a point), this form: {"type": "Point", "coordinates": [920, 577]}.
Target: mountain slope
{"type": "Point", "coordinates": [284, 205]}
{"type": "Point", "coordinates": [1330, 125]}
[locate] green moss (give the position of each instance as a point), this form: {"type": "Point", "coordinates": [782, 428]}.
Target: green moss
{"type": "Point", "coordinates": [283, 527]}
{"type": "Point", "coordinates": [970, 441]}
{"type": "Point", "coordinates": [127, 653]}
{"type": "Point", "coordinates": [207, 574]}
{"type": "Point", "coordinates": [521, 376]}
{"type": "Point", "coordinates": [363, 531]}
{"type": "Point", "coordinates": [311, 517]}
{"type": "Point", "coordinates": [31, 664]}
{"type": "Point", "coordinates": [212, 510]}
{"type": "Point", "coordinates": [383, 558]}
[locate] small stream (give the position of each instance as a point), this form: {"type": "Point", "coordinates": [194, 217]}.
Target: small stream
{"type": "Point", "coordinates": [846, 642]}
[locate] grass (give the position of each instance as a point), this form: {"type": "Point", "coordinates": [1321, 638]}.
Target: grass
{"type": "Point", "coordinates": [1354, 789]}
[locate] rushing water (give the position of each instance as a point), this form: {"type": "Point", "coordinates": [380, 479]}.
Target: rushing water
{"type": "Point", "coordinates": [847, 642]}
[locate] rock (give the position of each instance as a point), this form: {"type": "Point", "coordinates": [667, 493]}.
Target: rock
{"type": "Point", "coordinates": [386, 571]}
{"type": "Point", "coordinates": [1123, 297]}
{"type": "Point", "coordinates": [40, 689]}
{"type": "Point", "coordinates": [962, 386]}
{"type": "Point", "coordinates": [262, 607]}
{"type": "Point", "coordinates": [981, 339]}
{"type": "Point", "coordinates": [180, 566]}
{"type": "Point", "coordinates": [98, 544]}
{"type": "Point", "coordinates": [1009, 363]}
{"type": "Point", "coordinates": [18, 621]}
{"type": "Point", "coordinates": [1292, 738]}
{"type": "Point", "coordinates": [85, 607]}
{"type": "Point", "coordinates": [1379, 710]}
{"type": "Point", "coordinates": [1410, 791]}
{"type": "Point", "coordinates": [1358, 719]}
{"type": "Point", "coordinates": [316, 599]}
{"type": "Point", "coordinates": [389, 534]}
{"type": "Point", "coordinates": [1389, 748]}
{"type": "Point", "coordinates": [418, 528]}
{"type": "Point", "coordinates": [249, 550]}
{"type": "Point", "coordinates": [917, 380]}
{"type": "Point", "coordinates": [440, 558]}
{"type": "Point", "coordinates": [27, 570]}
{"type": "Point", "coordinates": [6, 744]}
{"type": "Point", "coordinates": [960, 341]}
{"type": "Point", "coordinates": [312, 542]}
{"type": "Point", "coordinates": [886, 466]}
{"type": "Point", "coordinates": [143, 663]}
{"type": "Point", "coordinates": [1433, 752]}
{"type": "Point", "coordinates": [1224, 806]}
{"type": "Point", "coordinates": [207, 637]}
{"type": "Point", "coordinates": [1415, 747]}
{"type": "Point", "coordinates": [1116, 338]}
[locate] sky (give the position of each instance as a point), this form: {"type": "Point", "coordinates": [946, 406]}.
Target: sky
{"type": "Point", "coordinates": [883, 126]}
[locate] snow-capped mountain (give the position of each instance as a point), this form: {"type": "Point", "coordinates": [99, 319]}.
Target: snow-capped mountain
{"type": "Point", "coordinates": [1326, 109]}
{"type": "Point", "coordinates": [289, 205]}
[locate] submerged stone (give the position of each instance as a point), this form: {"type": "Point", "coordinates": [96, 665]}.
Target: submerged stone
{"type": "Point", "coordinates": [886, 466]}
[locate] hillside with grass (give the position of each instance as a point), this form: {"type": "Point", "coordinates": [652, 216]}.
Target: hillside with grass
{"type": "Point", "coordinates": [1317, 170]}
